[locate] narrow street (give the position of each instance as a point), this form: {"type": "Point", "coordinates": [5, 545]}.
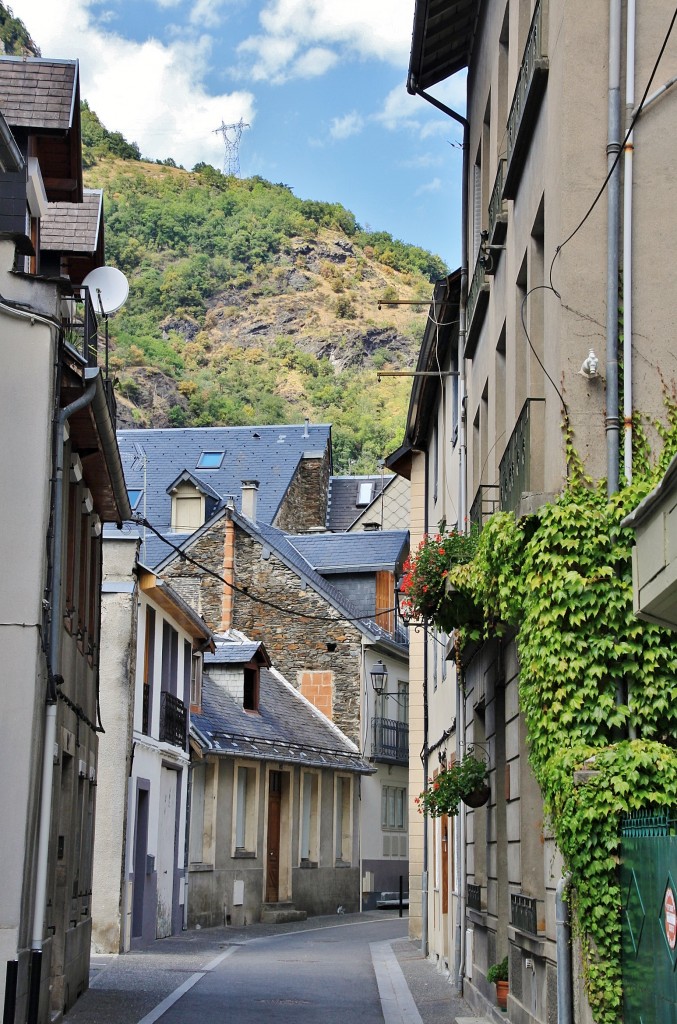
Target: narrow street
{"type": "Point", "coordinates": [329, 971]}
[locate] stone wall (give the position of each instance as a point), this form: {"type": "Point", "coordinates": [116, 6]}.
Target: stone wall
{"type": "Point", "coordinates": [305, 503]}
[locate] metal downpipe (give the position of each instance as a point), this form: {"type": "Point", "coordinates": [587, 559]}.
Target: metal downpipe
{"type": "Point", "coordinates": [563, 940]}
{"type": "Point", "coordinates": [613, 234]}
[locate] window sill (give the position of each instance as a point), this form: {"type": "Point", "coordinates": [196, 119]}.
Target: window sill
{"type": "Point", "coordinates": [200, 866]}
{"type": "Point", "coordinates": [308, 864]}
{"type": "Point", "coordinates": [342, 864]}
{"type": "Point", "coordinates": [244, 855]}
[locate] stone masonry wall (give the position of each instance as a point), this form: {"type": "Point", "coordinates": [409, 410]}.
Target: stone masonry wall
{"type": "Point", "coordinates": [305, 503]}
{"type": "Point", "coordinates": [297, 644]}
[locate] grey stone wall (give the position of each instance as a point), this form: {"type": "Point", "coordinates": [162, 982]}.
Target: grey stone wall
{"type": "Point", "coordinates": [305, 503]}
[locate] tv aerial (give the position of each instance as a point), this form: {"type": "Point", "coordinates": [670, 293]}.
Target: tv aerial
{"type": "Point", "coordinates": [110, 287]}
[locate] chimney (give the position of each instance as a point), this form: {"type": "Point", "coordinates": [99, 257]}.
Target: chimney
{"type": "Point", "coordinates": [249, 491]}
{"type": "Point", "coordinates": [306, 432]}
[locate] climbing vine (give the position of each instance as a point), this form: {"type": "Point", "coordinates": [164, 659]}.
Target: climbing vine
{"type": "Point", "coordinates": [591, 676]}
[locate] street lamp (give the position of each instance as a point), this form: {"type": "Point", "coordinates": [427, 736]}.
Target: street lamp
{"type": "Point", "coordinates": [379, 678]}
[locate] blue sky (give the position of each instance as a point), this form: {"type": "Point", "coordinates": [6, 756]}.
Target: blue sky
{"type": "Point", "coordinates": [320, 82]}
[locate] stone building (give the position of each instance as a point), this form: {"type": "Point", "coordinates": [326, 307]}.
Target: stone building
{"type": "Point", "coordinates": [60, 456]}
{"type": "Point", "coordinates": [275, 797]}
{"type": "Point", "coordinates": [536, 345]}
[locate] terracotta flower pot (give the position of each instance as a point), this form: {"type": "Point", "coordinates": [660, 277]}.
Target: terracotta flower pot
{"type": "Point", "coordinates": [502, 989]}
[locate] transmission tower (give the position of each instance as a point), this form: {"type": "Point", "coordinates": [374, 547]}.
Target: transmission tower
{"type": "Point", "coordinates": [231, 134]}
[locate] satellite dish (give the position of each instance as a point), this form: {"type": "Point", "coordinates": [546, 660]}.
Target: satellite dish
{"type": "Point", "coordinates": [108, 287]}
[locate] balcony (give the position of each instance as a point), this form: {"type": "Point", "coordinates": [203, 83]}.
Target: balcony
{"type": "Point", "coordinates": [526, 102]}
{"type": "Point", "coordinates": [390, 740]}
{"type": "Point", "coordinates": [81, 326]}
{"type": "Point", "coordinates": [474, 897]}
{"type": "Point", "coordinates": [520, 470]}
{"type": "Point", "coordinates": [498, 212]}
{"type": "Point", "coordinates": [173, 720]}
{"type": "Point", "coordinates": [485, 503]}
{"type": "Point", "coordinates": [478, 298]}
{"type": "Point", "coordinates": [524, 913]}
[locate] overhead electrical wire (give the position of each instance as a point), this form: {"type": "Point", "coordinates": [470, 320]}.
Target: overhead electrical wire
{"type": "Point", "coordinates": [294, 613]}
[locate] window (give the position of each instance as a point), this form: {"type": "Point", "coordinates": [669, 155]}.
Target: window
{"type": "Point", "coordinates": [188, 508]}
{"type": "Point", "coordinates": [393, 808]}
{"type": "Point", "coordinates": [202, 811]}
{"type": "Point", "coordinates": [148, 668]}
{"type": "Point", "coordinates": [309, 819]}
{"type": "Point", "coordinates": [210, 460]}
{"type": "Point", "coordinates": [196, 683]}
{"type": "Point", "coordinates": [343, 832]}
{"type": "Point", "coordinates": [364, 493]}
{"type": "Point", "coordinates": [244, 811]}
{"type": "Point", "coordinates": [134, 495]}
{"type": "Point", "coordinates": [250, 701]}
{"type": "Point", "coordinates": [170, 658]}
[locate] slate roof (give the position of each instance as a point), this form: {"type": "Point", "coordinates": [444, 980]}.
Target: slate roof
{"type": "Point", "coordinates": [73, 227]}
{"type": "Point", "coordinates": [38, 93]}
{"type": "Point", "coordinates": [287, 728]}
{"type": "Point", "coordinates": [234, 652]}
{"type": "Point", "coordinates": [342, 507]}
{"type": "Point", "coordinates": [352, 552]}
{"type": "Point", "coordinates": [269, 454]}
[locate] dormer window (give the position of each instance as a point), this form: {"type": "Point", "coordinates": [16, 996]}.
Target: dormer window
{"type": "Point", "coordinates": [250, 700]}
{"type": "Point", "coordinates": [188, 508]}
{"type": "Point", "coordinates": [210, 460]}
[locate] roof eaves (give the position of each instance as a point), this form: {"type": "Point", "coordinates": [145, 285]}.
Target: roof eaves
{"type": "Point", "coordinates": [442, 41]}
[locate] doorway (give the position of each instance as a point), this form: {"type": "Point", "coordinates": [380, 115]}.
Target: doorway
{"type": "Point", "coordinates": [273, 837]}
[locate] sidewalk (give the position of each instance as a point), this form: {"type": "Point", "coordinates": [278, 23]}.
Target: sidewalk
{"type": "Point", "coordinates": [127, 989]}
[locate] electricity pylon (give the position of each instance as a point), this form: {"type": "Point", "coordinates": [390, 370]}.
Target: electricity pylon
{"type": "Point", "coordinates": [231, 134]}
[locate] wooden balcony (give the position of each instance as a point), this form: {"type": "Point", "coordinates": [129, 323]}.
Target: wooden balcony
{"type": "Point", "coordinates": [526, 102]}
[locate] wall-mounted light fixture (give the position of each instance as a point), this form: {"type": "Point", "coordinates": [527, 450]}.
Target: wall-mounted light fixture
{"type": "Point", "coordinates": [379, 678]}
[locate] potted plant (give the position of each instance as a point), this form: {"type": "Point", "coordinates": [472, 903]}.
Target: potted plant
{"type": "Point", "coordinates": [463, 780]}
{"type": "Point", "coordinates": [425, 586]}
{"type": "Point", "coordinates": [498, 976]}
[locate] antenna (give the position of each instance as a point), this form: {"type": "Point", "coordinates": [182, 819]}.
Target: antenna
{"type": "Point", "coordinates": [231, 134]}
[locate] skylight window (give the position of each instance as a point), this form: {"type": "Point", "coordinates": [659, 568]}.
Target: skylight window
{"type": "Point", "coordinates": [364, 493]}
{"type": "Point", "coordinates": [134, 495]}
{"type": "Point", "coordinates": [210, 460]}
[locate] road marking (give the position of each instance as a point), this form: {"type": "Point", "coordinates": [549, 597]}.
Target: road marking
{"type": "Point", "coordinates": [396, 1000]}
{"type": "Point", "coordinates": [174, 996]}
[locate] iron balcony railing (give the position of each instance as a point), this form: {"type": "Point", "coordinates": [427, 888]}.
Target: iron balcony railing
{"type": "Point", "coordinates": [519, 471]}
{"type": "Point", "coordinates": [498, 212]}
{"type": "Point", "coordinates": [485, 503]}
{"type": "Point", "coordinates": [81, 326]}
{"type": "Point", "coordinates": [524, 912]}
{"type": "Point", "coordinates": [474, 897]}
{"type": "Point", "coordinates": [145, 724]}
{"type": "Point", "coordinates": [478, 297]}
{"type": "Point", "coordinates": [173, 720]}
{"type": "Point", "coordinates": [526, 101]}
{"type": "Point", "coordinates": [390, 740]}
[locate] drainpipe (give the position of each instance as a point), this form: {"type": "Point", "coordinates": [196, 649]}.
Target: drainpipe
{"type": "Point", "coordinates": [53, 665]}
{"type": "Point", "coordinates": [563, 937]}
{"type": "Point", "coordinates": [627, 239]}
{"type": "Point", "coordinates": [613, 228]}
{"type": "Point", "coordinates": [461, 874]}
{"type": "Point", "coordinates": [424, 872]}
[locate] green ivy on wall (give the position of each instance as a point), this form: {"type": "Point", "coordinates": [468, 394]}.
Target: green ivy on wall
{"type": "Point", "coordinates": [591, 676]}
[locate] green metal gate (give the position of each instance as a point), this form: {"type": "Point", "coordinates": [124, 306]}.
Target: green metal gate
{"type": "Point", "coordinates": [649, 904]}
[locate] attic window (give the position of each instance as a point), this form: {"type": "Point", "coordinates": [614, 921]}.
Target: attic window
{"type": "Point", "coordinates": [364, 492]}
{"type": "Point", "coordinates": [251, 688]}
{"type": "Point", "coordinates": [210, 460]}
{"type": "Point", "coordinates": [134, 495]}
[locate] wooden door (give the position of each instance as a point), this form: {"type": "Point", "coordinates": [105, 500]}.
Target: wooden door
{"type": "Point", "coordinates": [273, 842]}
{"type": "Point", "coordinates": [166, 853]}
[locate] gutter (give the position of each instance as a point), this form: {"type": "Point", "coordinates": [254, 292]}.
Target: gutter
{"type": "Point", "coordinates": [106, 430]}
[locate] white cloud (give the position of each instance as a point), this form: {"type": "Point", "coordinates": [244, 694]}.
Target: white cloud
{"type": "Point", "coordinates": [344, 127]}
{"type": "Point", "coordinates": [374, 29]}
{"type": "Point", "coordinates": [149, 91]}
{"type": "Point", "coordinates": [431, 186]}
{"type": "Point", "coordinates": [314, 62]}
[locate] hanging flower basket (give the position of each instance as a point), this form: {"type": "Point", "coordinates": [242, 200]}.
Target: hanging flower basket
{"type": "Point", "coordinates": [459, 781]}
{"type": "Point", "coordinates": [425, 586]}
{"type": "Point", "coordinates": [478, 797]}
